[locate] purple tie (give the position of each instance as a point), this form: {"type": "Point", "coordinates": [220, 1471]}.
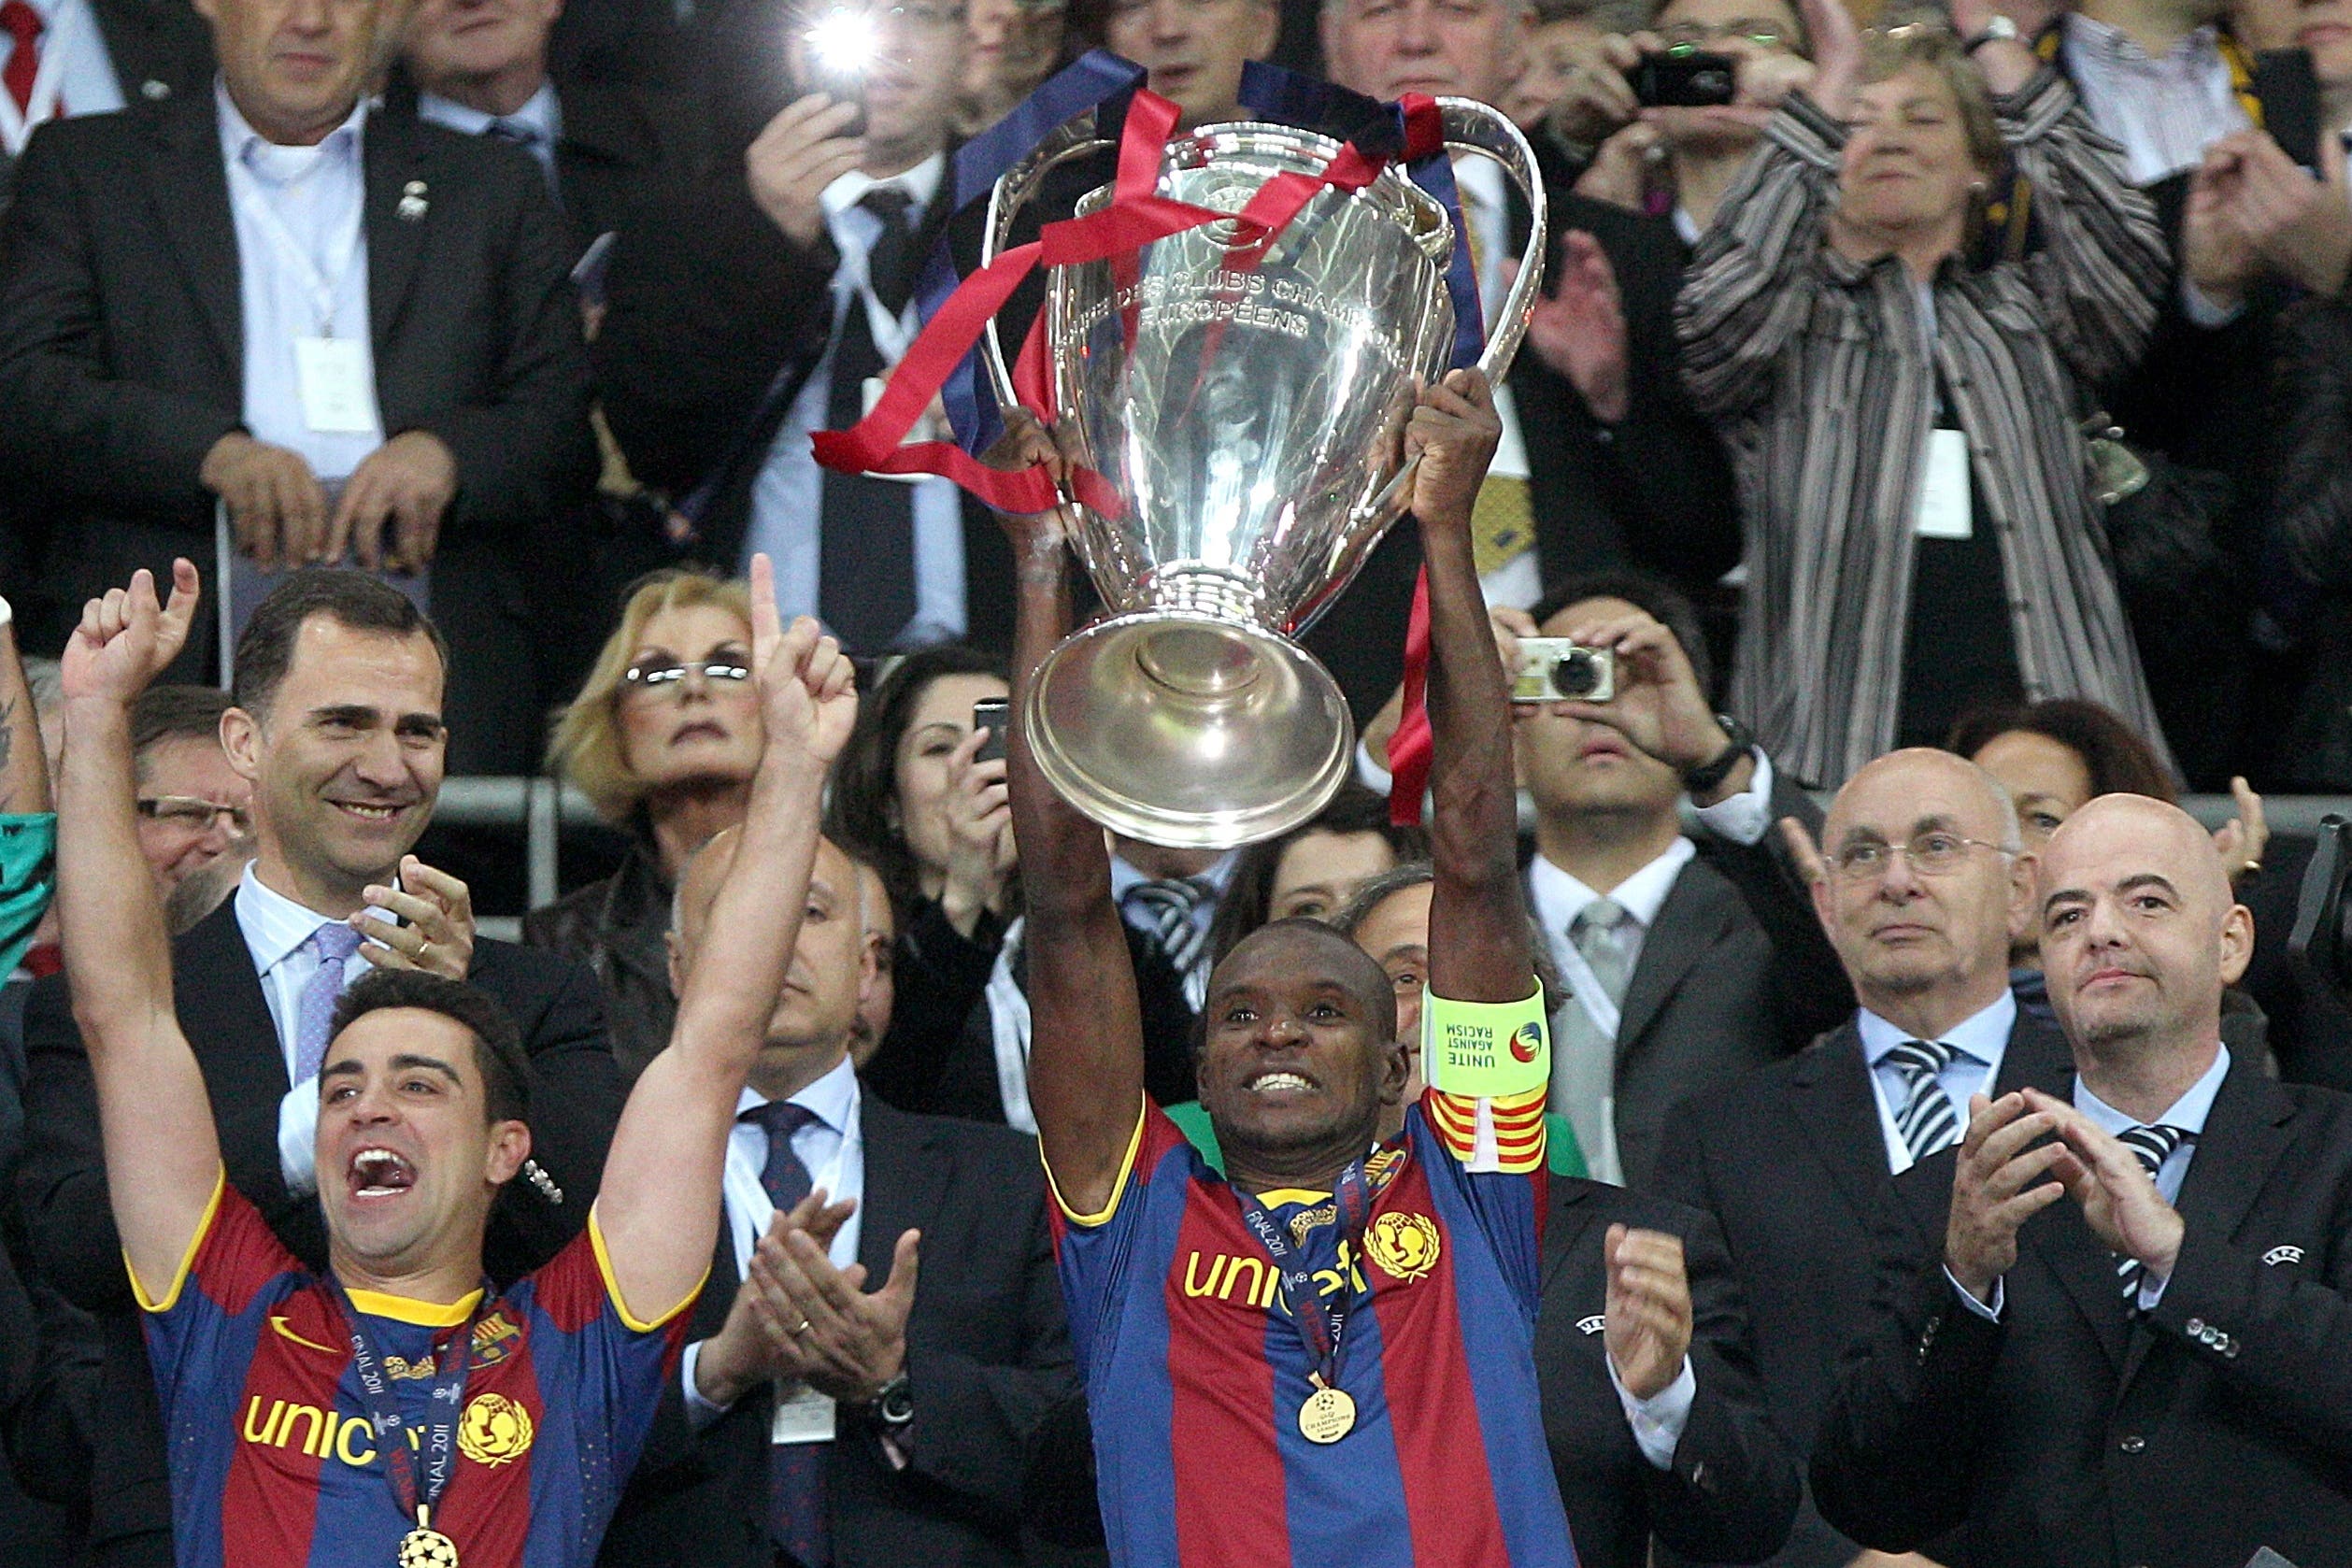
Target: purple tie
{"type": "Point", "coordinates": [332, 944]}
{"type": "Point", "coordinates": [800, 1510]}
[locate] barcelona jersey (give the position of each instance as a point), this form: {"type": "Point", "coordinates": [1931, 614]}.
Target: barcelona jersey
{"type": "Point", "coordinates": [274, 1460]}
{"type": "Point", "coordinates": [1195, 1373]}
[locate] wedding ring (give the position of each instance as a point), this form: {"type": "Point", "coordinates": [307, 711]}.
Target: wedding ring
{"type": "Point", "coordinates": [800, 1328]}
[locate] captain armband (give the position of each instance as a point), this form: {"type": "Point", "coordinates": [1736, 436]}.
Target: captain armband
{"type": "Point", "coordinates": [1486, 1050]}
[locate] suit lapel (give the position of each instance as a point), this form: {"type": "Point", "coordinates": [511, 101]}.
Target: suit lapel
{"type": "Point", "coordinates": [1686, 926]}
{"type": "Point", "coordinates": [906, 1178]}
{"type": "Point", "coordinates": [225, 1016]}
{"type": "Point", "coordinates": [1561, 1229]}
{"type": "Point", "coordinates": [2245, 1134]}
{"type": "Point", "coordinates": [1839, 1113]}
{"type": "Point", "coordinates": [189, 189]}
{"type": "Point", "coordinates": [397, 169]}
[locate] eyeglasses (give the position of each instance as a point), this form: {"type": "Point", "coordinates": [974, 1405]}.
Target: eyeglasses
{"type": "Point", "coordinates": [1930, 854]}
{"type": "Point", "coordinates": [193, 815]}
{"type": "Point", "coordinates": [651, 676]}
{"type": "Point", "coordinates": [1687, 38]}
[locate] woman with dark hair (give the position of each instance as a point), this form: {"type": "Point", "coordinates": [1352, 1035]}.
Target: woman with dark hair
{"type": "Point", "coordinates": [1312, 871]}
{"type": "Point", "coordinates": [2054, 756]}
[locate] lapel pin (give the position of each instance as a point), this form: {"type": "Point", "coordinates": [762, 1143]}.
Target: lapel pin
{"type": "Point", "coordinates": [154, 91]}
{"type": "Point", "coordinates": [412, 202]}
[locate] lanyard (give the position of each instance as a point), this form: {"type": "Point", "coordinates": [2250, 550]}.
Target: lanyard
{"type": "Point", "coordinates": [343, 244]}
{"type": "Point", "coordinates": [751, 1226]}
{"type": "Point", "coordinates": [48, 85]}
{"type": "Point", "coordinates": [439, 1433]}
{"type": "Point", "coordinates": [1320, 1322]}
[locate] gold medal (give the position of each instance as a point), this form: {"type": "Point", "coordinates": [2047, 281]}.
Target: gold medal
{"type": "Point", "coordinates": [1328, 1415]}
{"type": "Point", "coordinates": [427, 1547]}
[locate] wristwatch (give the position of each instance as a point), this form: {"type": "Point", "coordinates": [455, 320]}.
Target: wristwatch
{"type": "Point", "coordinates": [894, 1404]}
{"type": "Point", "coordinates": [1998, 28]}
{"type": "Point", "coordinates": [1709, 774]}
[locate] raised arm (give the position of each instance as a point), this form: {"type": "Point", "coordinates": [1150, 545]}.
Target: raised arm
{"type": "Point", "coordinates": [1479, 949]}
{"type": "Point", "coordinates": [153, 1115]}
{"type": "Point", "coordinates": [1086, 1062]}
{"type": "Point", "coordinates": [27, 834]}
{"type": "Point", "coordinates": [657, 1210]}
{"type": "Point", "coordinates": [23, 768]}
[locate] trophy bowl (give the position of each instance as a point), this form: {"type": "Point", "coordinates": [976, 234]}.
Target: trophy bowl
{"type": "Point", "coordinates": [1249, 409]}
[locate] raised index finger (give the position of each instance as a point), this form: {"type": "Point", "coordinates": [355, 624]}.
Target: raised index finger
{"type": "Point", "coordinates": [767, 623]}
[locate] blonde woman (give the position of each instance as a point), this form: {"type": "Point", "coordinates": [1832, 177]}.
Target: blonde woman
{"type": "Point", "coordinates": [664, 738]}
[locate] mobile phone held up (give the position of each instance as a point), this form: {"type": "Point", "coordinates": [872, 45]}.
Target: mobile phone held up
{"type": "Point", "coordinates": [1692, 79]}
{"type": "Point", "coordinates": [842, 44]}
{"type": "Point", "coordinates": [991, 714]}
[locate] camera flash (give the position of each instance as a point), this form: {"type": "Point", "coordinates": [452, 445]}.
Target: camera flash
{"type": "Point", "coordinates": [842, 41]}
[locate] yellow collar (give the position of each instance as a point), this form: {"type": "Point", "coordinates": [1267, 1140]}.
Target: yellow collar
{"type": "Point", "coordinates": [1281, 1195]}
{"type": "Point", "coordinates": [406, 1309]}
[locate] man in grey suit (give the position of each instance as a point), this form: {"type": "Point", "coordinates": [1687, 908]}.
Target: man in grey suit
{"type": "Point", "coordinates": [355, 331]}
{"type": "Point", "coordinates": [1685, 962]}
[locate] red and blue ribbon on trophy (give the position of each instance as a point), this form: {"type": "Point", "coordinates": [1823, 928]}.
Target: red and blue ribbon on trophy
{"type": "Point", "coordinates": [943, 362]}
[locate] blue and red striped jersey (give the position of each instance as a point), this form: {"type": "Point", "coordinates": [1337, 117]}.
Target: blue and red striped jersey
{"type": "Point", "coordinates": [1195, 1373]}
{"type": "Point", "coordinates": [274, 1460]}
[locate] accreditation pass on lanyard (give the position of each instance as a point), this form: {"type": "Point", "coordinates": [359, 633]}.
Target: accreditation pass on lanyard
{"type": "Point", "coordinates": [333, 374]}
{"type": "Point", "coordinates": [48, 85]}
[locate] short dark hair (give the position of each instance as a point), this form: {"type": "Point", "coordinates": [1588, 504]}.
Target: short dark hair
{"type": "Point", "coordinates": [1248, 894]}
{"type": "Point", "coordinates": [2118, 759]}
{"type": "Point", "coordinates": [177, 713]}
{"type": "Point", "coordinates": [498, 1053]}
{"type": "Point", "coordinates": [1652, 595]}
{"type": "Point", "coordinates": [265, 650]}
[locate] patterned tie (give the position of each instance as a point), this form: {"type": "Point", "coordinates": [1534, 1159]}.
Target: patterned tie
{"type": "Point", "coordinates": [1168, 905]}
{"type": "Point", "coordinates": [1927, 1121]}
{"type": "Point", "coordinates": [333, 945]}
{"type": "Point", "coordinates": [1583, 1068]}
{"type": "Point", "coordinates": [800, 1519]}
{"type": "Point", "coordinates": [1503, 514]}
{"type": "Point", "coordinates": [2153, 1145]}
{"type": "Point", "coordinates": [24, 25]}
{"type": "Point", "coordinates": [865, 572]}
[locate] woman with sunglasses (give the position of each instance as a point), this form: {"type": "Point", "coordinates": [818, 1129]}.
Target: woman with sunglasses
{"type": "Point", "coordinates": [664, 738]}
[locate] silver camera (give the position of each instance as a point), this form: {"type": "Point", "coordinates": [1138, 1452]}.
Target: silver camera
{"type": "Point", "coordinates": [1555, 670]}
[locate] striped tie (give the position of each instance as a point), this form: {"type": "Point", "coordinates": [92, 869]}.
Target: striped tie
{"type": "Point", "coordinates": [1927, 1121]}
{"type": "Point", "coordinates": [1168, 905]}
{"type": "Point", "coordinates": [2153, 1145]}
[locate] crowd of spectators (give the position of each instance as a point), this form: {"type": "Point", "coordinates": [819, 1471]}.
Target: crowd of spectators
{"type": "Point", "coordinates": [1974, 387]}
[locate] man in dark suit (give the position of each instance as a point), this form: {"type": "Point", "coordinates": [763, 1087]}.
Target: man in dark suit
{"type": "Point", "coordinates": [756, 310]}
{"type": "Point", "coordinates": [814, 1420]}
{"type": "Point", "coordinates": [1686, 966]}
{"type": "Point", "coordinates": [1919, 884]}
{"type": "Point", "coordinates": [252, 295]}
{"type": "Point", "coordinates": [1651, 1408]}
{"type": "Point", "coordinates": [338, 723]}
{"type": "Point", "coordinates": [2111, 1326]}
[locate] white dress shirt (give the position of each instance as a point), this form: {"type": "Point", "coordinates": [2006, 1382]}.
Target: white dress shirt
{"type": "Point", "coordinates": [832, 1145]}
{"type": "Point", "coordinates": [2164, 110]}
{"type": "Point", "coordinates": [72, 53]}
{"type": "Point", "coordinates": [1979, 1043]}
{"type": "Point", "coordinates": [276, 932]}
{"type": "Point", "coordinates": [540, 122]}
{"type": "Point", "coordinates": [301, 269]}
{"type": "Point", "coordinates": [788, 495]}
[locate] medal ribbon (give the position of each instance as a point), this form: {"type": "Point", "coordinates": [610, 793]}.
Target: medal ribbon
{"type": "Point", "coordinates": [438, 1441]}
{"type": "Point", "coordinates": [1321, 1323]}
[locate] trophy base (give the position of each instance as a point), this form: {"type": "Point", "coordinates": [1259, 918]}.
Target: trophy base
{"type": "Point", "coordinates": [1189, 731]}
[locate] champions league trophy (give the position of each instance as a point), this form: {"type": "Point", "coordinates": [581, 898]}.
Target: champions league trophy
{"type": "Point", "coordinates": [1251, 420]}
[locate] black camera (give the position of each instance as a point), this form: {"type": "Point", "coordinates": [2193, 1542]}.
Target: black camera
{"type": "Point", "coordinates": [1687, 79]}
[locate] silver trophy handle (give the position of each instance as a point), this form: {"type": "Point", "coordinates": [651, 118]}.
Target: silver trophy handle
{"type": "Point", "coordinates": [1073, 137]}
{"type": "Point", "coordinates": [1472, 126]}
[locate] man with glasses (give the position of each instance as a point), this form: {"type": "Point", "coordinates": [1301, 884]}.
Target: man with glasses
{"type": "Point", "coordinates": [336, 726]}
{"type": "Point", "coordinates": [770, 306]}
{"type": "Point", "coordinates": [1919, 880]}
{"type": "Point", "coordinates": [194, 809]}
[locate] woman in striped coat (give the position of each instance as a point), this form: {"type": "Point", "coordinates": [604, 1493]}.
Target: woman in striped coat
{"type": "Point", "coordinates": [1921, 526]}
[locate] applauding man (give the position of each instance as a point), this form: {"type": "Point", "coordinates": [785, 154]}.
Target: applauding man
{"type": "Point", "coordinates": [2112, 1325]}
{"type": "Point", "coordinates": [1327, 1355]}
{"type": "Point", "coordinates": [397, 1408]}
